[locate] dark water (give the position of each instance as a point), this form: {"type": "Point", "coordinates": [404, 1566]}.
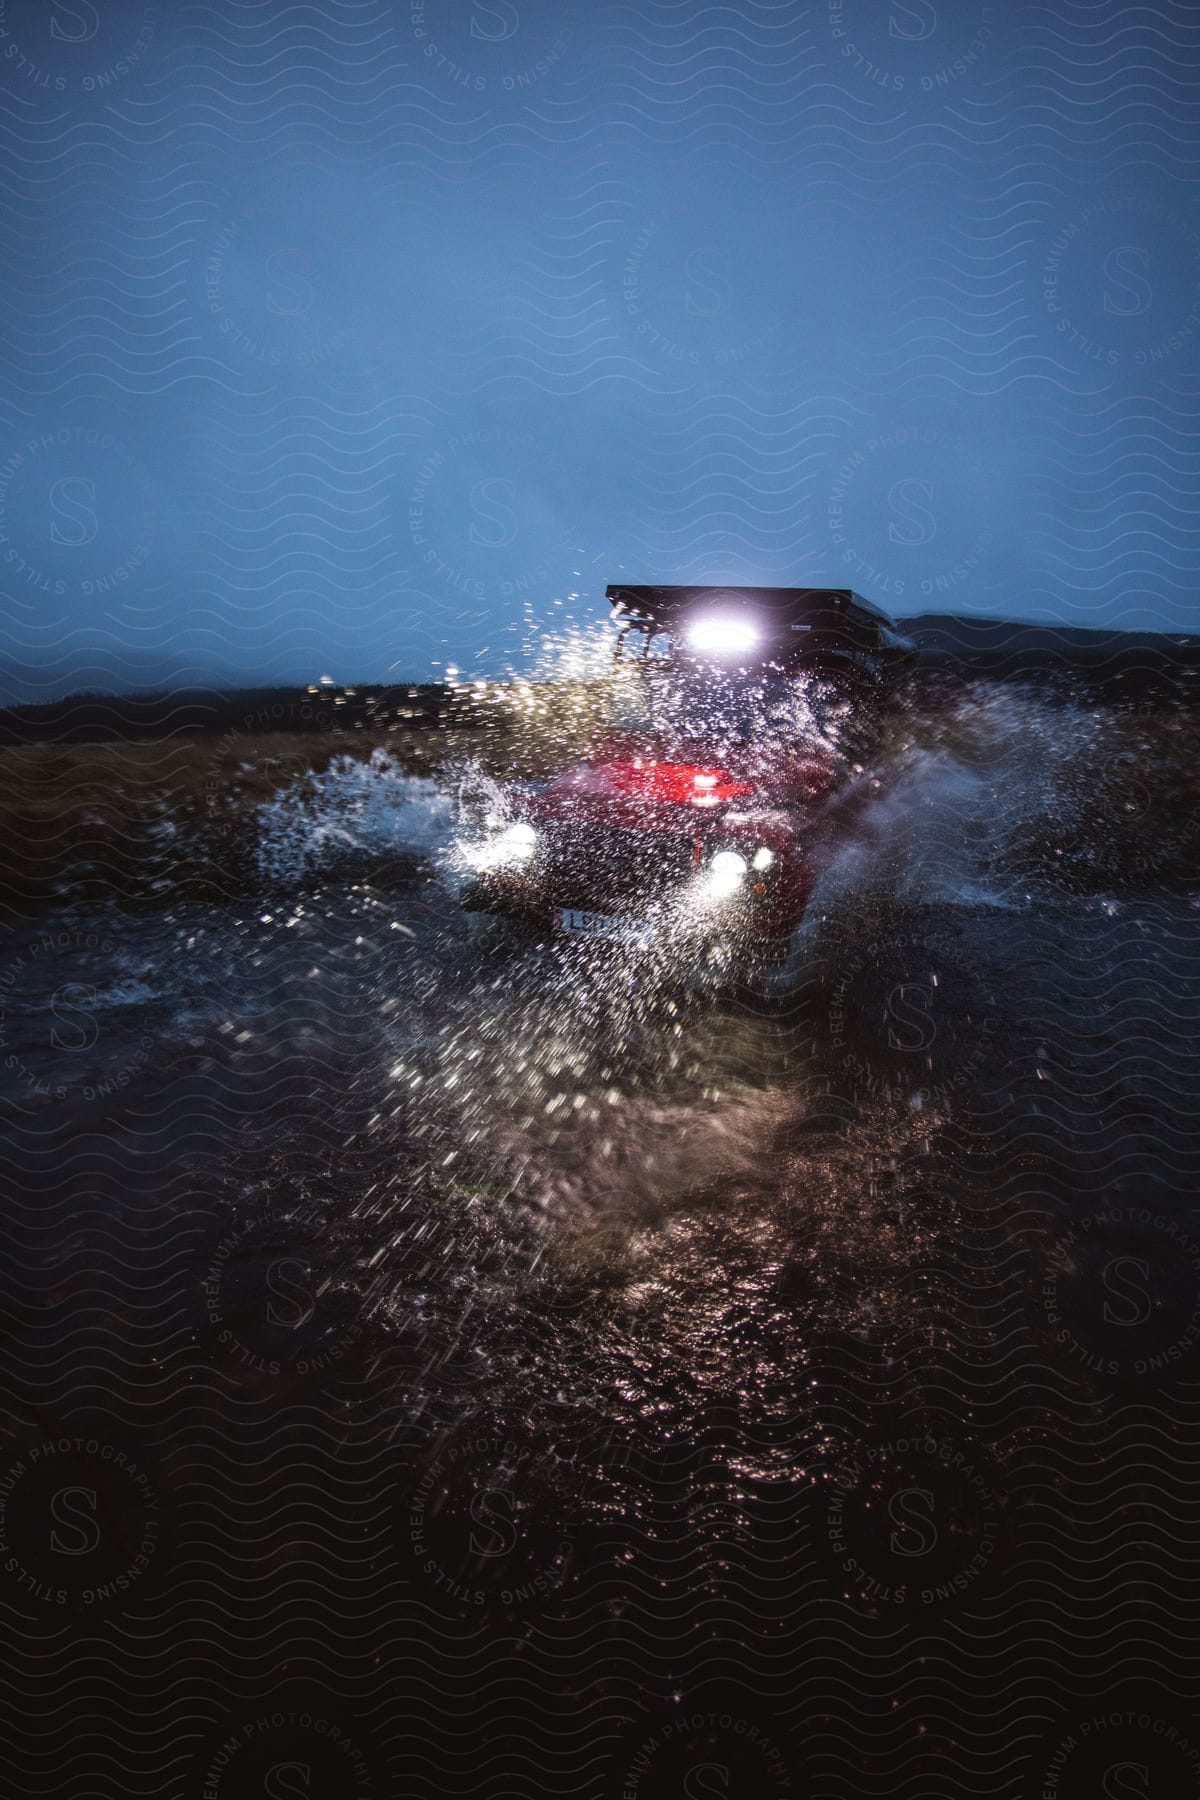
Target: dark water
{"type": "Point", "coordinates": [455, 1354]}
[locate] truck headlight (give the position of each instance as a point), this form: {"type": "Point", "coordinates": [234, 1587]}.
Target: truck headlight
{"type": "Point", "coordinates": [726, 871]}
{"type": "Point", "coordinates": [516, 843]}
{"type": "Point", "coordinates": [504, 849]}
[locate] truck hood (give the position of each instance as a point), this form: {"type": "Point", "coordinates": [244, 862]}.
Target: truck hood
{"type": "Point", "coordinates": [672, 795]}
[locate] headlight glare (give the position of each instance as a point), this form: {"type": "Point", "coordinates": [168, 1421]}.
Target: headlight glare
{"type": "Point", "coordinates": [516, 843]}
{"type": "Point", "coordinates": [726, 872]}
{"type": "Point", "coordinates": [502, 849]}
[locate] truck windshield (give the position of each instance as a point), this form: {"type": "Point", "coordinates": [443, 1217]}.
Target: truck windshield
{"type": "Point", "coordinates": [669, 701]}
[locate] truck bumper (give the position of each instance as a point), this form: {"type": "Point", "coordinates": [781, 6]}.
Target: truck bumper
{"type": "Point", "coordinates": [728, 956]}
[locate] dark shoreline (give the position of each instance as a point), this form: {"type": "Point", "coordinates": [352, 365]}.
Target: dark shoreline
{"type": "Point", "coordinates": [1134, 668]}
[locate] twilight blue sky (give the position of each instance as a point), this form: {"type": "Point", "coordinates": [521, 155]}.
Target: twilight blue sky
{"type": "Point", "coordinates": [365, 336]}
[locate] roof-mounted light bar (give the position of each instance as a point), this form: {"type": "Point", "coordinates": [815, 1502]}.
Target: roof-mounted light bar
{"type": "Point", "coordinates": [721, 637]}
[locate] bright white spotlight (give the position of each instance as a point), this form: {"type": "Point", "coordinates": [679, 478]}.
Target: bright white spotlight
{"type": "Point", "coordinates": [722, 637]}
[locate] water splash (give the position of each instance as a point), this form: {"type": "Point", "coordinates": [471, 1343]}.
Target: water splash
{"type": "Point", "coordinates": [999, 796]}
{"type": "Point", "coordinates": [355, 807]}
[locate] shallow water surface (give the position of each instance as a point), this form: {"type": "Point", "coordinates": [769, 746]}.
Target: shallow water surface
{"type": "Point", "coordinates": [518, 1314]}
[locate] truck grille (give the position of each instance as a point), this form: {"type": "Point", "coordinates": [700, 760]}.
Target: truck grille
{"type": "Point", "coordinates": [587, 864]}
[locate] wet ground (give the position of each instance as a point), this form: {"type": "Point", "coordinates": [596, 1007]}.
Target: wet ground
{"type": "Point", "coordinates": [442, 1364]}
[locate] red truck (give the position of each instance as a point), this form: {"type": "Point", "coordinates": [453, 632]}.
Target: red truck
{"type": "Point", "coordinates": [738, 722]}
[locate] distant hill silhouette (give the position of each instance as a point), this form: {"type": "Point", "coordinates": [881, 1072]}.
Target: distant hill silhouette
{"type": "Point", "coordinates": [1132, 666]}
{"type": "Point", "coordinates": [951, 633]}
{"type": "Point", "coordinates": [204, 713]}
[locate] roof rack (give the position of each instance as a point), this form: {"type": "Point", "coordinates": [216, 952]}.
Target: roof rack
{"type": "Point", "coordinates": [786, 625]}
